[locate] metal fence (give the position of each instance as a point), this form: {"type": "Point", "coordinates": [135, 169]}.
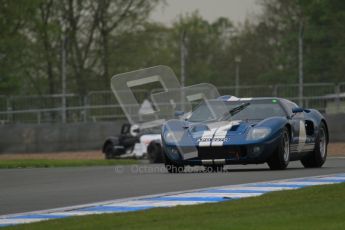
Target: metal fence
{"type": "Point", "coordinates": [102, 105]}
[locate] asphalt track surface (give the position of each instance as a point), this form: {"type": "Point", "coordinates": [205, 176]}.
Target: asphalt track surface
{"type": "Point", "coordinates": [24, 190]}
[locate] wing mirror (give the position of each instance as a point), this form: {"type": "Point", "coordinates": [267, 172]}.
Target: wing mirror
{"type": "Point", "coordinates": [179, 113]}
{"type": "Point", "coordinates": [297, 110]}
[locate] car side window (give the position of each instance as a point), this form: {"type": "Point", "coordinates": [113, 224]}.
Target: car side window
{"type": "Point", "coordinates": [292, 105]}
{"type": "Point", "coordinates": [289, 106]}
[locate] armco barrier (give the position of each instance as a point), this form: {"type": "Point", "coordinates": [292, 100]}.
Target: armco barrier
{"type": "Point", "coordinates": [336, 126]}
{"type": "Point", "coordinates": [89, 136]}
{"type": "Point", "coordinates": [21, 138]}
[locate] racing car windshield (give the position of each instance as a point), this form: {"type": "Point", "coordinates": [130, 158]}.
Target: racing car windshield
{"type": "Point", "coordinates": [209, 111]}
{"type": "Point", "coordinates": [245, 110]}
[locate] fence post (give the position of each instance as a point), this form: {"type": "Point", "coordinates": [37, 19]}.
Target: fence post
{"type": "Point", "coordinates": [275, 91]}
{"type": "Point", "coordinates": [38, 117]}
{"type": "Point", "coordinates": [306, 102]}
{"type": "Point", "coordinates": [9, 109]}
{"type": "Point", "coordinates": [337, 98]}
{"type": "Point", "coordinates": [86, 107]}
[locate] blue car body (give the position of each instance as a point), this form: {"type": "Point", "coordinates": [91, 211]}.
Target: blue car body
{"type": "Point", "coordinates": [231, 142]}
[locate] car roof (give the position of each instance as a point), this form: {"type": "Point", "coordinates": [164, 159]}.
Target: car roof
{"type": "Point", "coordinates": [233, 98]}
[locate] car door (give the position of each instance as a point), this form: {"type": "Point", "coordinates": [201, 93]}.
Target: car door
{"type": "Point", "coordinates": [298, 130]}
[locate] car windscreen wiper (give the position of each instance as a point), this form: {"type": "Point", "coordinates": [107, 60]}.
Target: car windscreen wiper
{"type": "Point", "coordinates": [236, 110]}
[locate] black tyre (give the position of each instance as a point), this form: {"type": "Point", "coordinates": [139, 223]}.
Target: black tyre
{"type": "Point", "coordinates": [318, 157]}
{"type": "Point", "coordinates": [214, 168]}
{"type": "Point", "coordinates": [112, 148]}
{"type": "Point", "coordinates": [281, 157]}
{"type": "Point", "coordinates": [154, 153]}
{"type": "Point", "coordinates": [109, 151]}
{"type": "Point", "coordinates": [172, 167]}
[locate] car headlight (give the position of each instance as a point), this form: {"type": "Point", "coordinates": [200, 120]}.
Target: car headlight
{"type": "Point", "coordinates": [171, 136]}
{"type": "Point", "coordinates": [258, 133]}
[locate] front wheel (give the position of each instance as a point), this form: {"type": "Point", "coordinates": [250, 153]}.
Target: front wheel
{"type": "Point", "coordinates": [109, 151]}
{"type": "Point", "coordinates": [112, 148]}
{"type": "Point", "coordinates": [318, 157]}
{"type": "Point", "coordinates": [154, 152]}
{"type": "Point", "coordinates": [172, 167]}
{"type": "Point", "coordinates": [281, 157]}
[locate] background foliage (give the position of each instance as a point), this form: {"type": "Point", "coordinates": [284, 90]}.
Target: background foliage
{"type": "Point", "coordinates": [106, 37]}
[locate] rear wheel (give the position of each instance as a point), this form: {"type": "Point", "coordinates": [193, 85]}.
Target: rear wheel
{"type": "Point", "coordinates": [154, 152]}
{"type": "Point", "coordinates": [109, 151]}
{"type": "Point", "coordinates": [318, 157]}
{"type": "Point", "coordinates": [112, 148]}
{"type": "Point", "coordinates": [281, 157]}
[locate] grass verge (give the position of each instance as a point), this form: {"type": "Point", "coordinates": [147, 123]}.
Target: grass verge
{"type": "Point", "coordinates": [47, 163]}
{"type": "Point", "coordinates": [319, 207]}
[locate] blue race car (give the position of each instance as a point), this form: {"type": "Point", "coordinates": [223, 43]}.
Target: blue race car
{"type": "Point", "coordinates": [229, 130]}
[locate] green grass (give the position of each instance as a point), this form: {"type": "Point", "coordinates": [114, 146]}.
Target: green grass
{"type": "Point", "coordinates": [319, 207]}
{"type": "Point", "coordinates": [47, 163]}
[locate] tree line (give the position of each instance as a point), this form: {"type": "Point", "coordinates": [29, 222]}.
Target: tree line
{"type": "Point", "coordinates": [105, 37]}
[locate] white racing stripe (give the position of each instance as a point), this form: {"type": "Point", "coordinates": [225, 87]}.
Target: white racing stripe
{"type": "Point", "coordinates": [233, 98]}
{"type": "Point", "coordinates": [216, 136]}
{"type": "Point", "coordinates": [246, 99]}
{"type": "Point", "coordinates": [200, 196]}
{"type": "Point", "coordinates": [206, 138]}
{"type": "Point", "coordinates": [219, 138]}
{"type": "Point", "coordinates": [220, 134]}
{"type": "Point", "coordinates": [302, 136]}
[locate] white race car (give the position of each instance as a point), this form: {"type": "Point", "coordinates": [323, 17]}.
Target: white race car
{"type": "Point", "coordinates": [135, 143]}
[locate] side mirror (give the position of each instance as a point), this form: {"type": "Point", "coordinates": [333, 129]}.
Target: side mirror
{"type": "Point", "coordinates": [179, 113]}
{"type": "Point", "coordinates": [297, 110]}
